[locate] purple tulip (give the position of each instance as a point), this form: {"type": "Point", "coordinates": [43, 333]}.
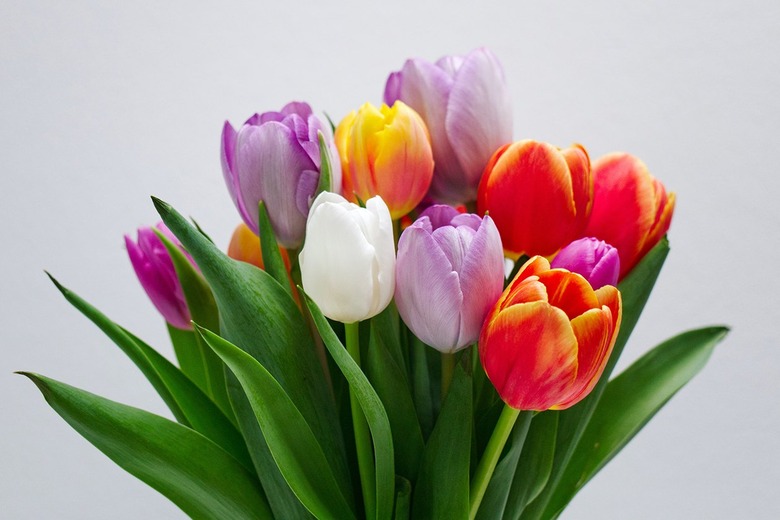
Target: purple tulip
{"type": "Point", "coordinates": [594, 259]}
{"type": "Point", "coordinates": [465, 103]}
{"type": "Point", "coordinates": [449, 273]}
{"type": "Point", "coordinates": [275, 158]}
{"type": "Point", "coordinates": [155, 271]}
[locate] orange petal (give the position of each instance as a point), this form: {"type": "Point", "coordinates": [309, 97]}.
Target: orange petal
{"type": "Point", "coordinates": [569, 292]}
{"type": "Point", "coordinates": [519, 290]}
{"type": "Point", "coordinates": [582, 182]}
{"type": "Point", "coordinates": [529, 352]}
{"type": "Point", "coordinates": [245, 246]}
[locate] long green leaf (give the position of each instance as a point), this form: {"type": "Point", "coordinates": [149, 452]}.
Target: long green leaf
{"type": "Point", "coordinates": [272, 258]}
{"type": "Point", "coordinates": [193, 472]}
{"type": "Point", "coordinates": [372, 407]}
{"type": "Point", "coordinates": [631, 400]}
{"type": "Point", "coordinates": [258, 315]}
{"type": "Point", "coordinates": [442, 489]}
{"type": "Point", "coordinates": [298, 455]}
{"type": "Point", "coordinates": [186, 401]}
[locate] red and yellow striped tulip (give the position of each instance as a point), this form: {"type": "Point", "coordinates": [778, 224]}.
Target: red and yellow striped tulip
{"type": "Point", "coordinates": [385, 152]}
{"type": "Point", "coordinates": [538, 195]}
{"type": "Point", "coordinates": [631, 209]}
{"type": "Point", "coordinates": [545, 343]}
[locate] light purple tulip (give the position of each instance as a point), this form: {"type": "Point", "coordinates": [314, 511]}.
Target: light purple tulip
{"type": "Point", "coordinates": [594, 259]}
{"type": "Point", "coordinates": [155, 271]}
{"type": "Point", "coordinates": [275, 158]}
{"type": "Point", "coordinates": [449, 273]}
{"type": "Point", "coordinates": [465, 103]}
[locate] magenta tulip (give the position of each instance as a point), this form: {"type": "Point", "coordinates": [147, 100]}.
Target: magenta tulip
{"type": "Point", "coordinates": [449, 274]}
{"type": "Point", "coordinates": [594, 259]}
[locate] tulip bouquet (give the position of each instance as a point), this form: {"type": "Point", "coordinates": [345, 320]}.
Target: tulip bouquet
{"type": "Point", "coordinates": [417, 318]}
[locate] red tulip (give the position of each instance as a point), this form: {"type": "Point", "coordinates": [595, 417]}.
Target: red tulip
{"type": "Point", "coordinates": [545, 343]}
{"type": "Point", "coordinates": [631, 209]}
{"type": "Point", "coordinates": [538, 195]}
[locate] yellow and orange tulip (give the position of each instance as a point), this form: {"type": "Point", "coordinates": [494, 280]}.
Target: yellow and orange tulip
{"type": "Point", "coordinates": [545, 343]}
{"type": "Point", "coordinates": [385, 152]}
{"type": "Point", "coordinates": [631, 209]}
{"type": "Point", "coordinates": [245, 246]}
{"type": "Point", "coordinates": [538, 195]}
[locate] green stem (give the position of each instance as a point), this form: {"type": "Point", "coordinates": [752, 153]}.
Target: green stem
{"type": "Point", "coordinates": [447, 367]}
{"type": "Point", "coordinates": [490, 458]}
{"type": "Point", "coordinates": [365, 454]}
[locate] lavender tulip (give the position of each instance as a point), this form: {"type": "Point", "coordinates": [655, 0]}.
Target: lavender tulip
{"type": "Point", "coordinates": [465, 104]}
{"type": "Point", "coordinates": [449, 273]}
{"type": "Point", "coordinates": [275, 158]}
{"type": "Point", "coordinates": [594, 259]}
{"type": "Point", "coordinates": [155, 271]}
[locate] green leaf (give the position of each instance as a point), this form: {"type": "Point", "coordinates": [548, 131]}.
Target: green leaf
{"type": "Point", "coordinates": [403, 499]}
{"type": "Point", "coordinates": [272, 258]}
{"type": "Point", "coordinates": [442, 489]}
{"type": "Point", "coordinates": [186, 401]}
{"type": "Point", "coordinates": [298, 455]}
{"type": "Point", "coordinates": [422, 386]}
{"type": "Point", "coordinates": [391, 384]}
{"type": "Point", "coordinates": [372, 407]}
{"type": "Point", "coordinates": [193, 472]}
{"type": "Point", "coordinates": [258, 315]}
{"type": "Point", "coordinates": [635, 290]}
{"type": "Point", "coordinates": [325, 167]}
{"type": "Point", "coordinates": [631, 400]}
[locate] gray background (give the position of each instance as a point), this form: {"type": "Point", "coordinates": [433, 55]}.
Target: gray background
{"type": "Point", "coordinates": [102, 105]}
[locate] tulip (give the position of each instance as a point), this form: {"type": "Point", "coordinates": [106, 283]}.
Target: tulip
{"type": "Point", "coordinates": [155, 271]}
{"type": "Point", "coordinates": [631, 209]}
{"type": "Point", "coordinates": [545, 343]}
{"type": "Point", "coordinates": [245, 246]}
{"type": "Point", "coordinates": [539, 196]}
{"type": "Point", "coordinates": [465, 102]}
{"type": "Point", "coordinates": [348, 260]}
{"type": "Point", "coordinates": [597, 261]}
{"type": "Point", "coordinates": [275, 158]}
{"type": "Point", "coordinates": [449, 274]}
{"type": "Point", "coordinates": [385, 152]}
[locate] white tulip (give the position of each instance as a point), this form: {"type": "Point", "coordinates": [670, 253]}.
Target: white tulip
{"type": "Point", "coordinates": [348, 258]}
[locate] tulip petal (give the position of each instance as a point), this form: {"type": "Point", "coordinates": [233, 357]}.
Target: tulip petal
{"type": "Point", "coordinates": [582, 183]}
{"type": "Point", "coordinates": [570, 292]}
{"type": "Point", "coordinates": [532, 359]}
{"type": "Point", "coordinates": [380, 235]}
{"type": "Point", "coordinates": [227, 157]}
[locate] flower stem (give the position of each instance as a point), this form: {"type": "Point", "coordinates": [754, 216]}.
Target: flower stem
{"type": "Point", "coordinates": [490, 458]}
{"type": "Point", "coordinates": [365, 454]}
{"type": "Point", "coordinates": [447, 367]}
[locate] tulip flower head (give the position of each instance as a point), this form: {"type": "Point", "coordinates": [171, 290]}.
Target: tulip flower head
{"type": "Point", "coordinates": [539, 196]}
{"type": "Point", "coordinates": [545, 343]}
{"type": "Point", "coordinates": [245, 246]}
{"type": "Point", "coordinates": [449, 274]}
{"type": "Point", "coordinates": [465, 102]}
{"type": "Point", "coordinates": [385, 152]}
{"type": "Point", "coordinates": [348, 260]}
{"type": "Point", "coordinates": [275, 158]}
{"type": "Point", "coordinates": [597, 261]}
{"type": "Point", "coordinates": [631, 209]}
{"type": "Point", "coordinates": [155, 271]}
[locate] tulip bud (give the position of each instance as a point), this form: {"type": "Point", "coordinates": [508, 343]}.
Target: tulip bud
{"type": "Point", "coordinates": [155, 271]}
{"type": "Point", "coordinates": [348, 260]}
{"type": "Point", "coordinates": [631, 209]}
{"type": "Point", "coordinates": [385, 152]}
{"type": "Point", "coordinates": [597, 261]}
{"type": "Point", "coordinates": [465, 103]}
{"type": "Point", "coordinates": [275, 158]}
{"type": "Point", "coordinates": [545, 343]}
{"type": "Point", "coordinates": [539, 196]}
{"type": "Point", "coordinates": [245, 246]}
{"type": "Point", "coordinates": [449, 273]}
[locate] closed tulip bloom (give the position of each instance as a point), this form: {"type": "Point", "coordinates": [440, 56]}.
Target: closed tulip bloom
{"type": "Point", "coordinates": [245, 246]}
{"type": "Point", "coordinates": [539, 196]}
{"type": "Point", "coordinates": [631, 209]}
{"type": "Point", "coordinates": [597, 261]}
{"type": "Point", "coordinates": [348, 260]}
{"type": "Point", "coordinates": [155, 271]}
{"type": "Point", "coordinates": [545, 343]}
{"type": "Point", "coordinates": [275, 157]}
{"type": "Point", "coordinates": [465, 102]}
{"type": "Point", "coordinates": [385, 152]}
{"type": "Point", "coordinates": [449, 274]}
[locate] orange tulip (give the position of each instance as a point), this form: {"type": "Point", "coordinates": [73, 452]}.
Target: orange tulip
{"type": "Point", "coordinates": [385, 152]}
{"type": "Point", "coordinates": [631, 209]}
{"type": "Point", "coordinates": [545, 343]}
{"type": "Point", "coordinates": [245, 246]}
{"type": "Point", "coordinates": [538, 195]}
